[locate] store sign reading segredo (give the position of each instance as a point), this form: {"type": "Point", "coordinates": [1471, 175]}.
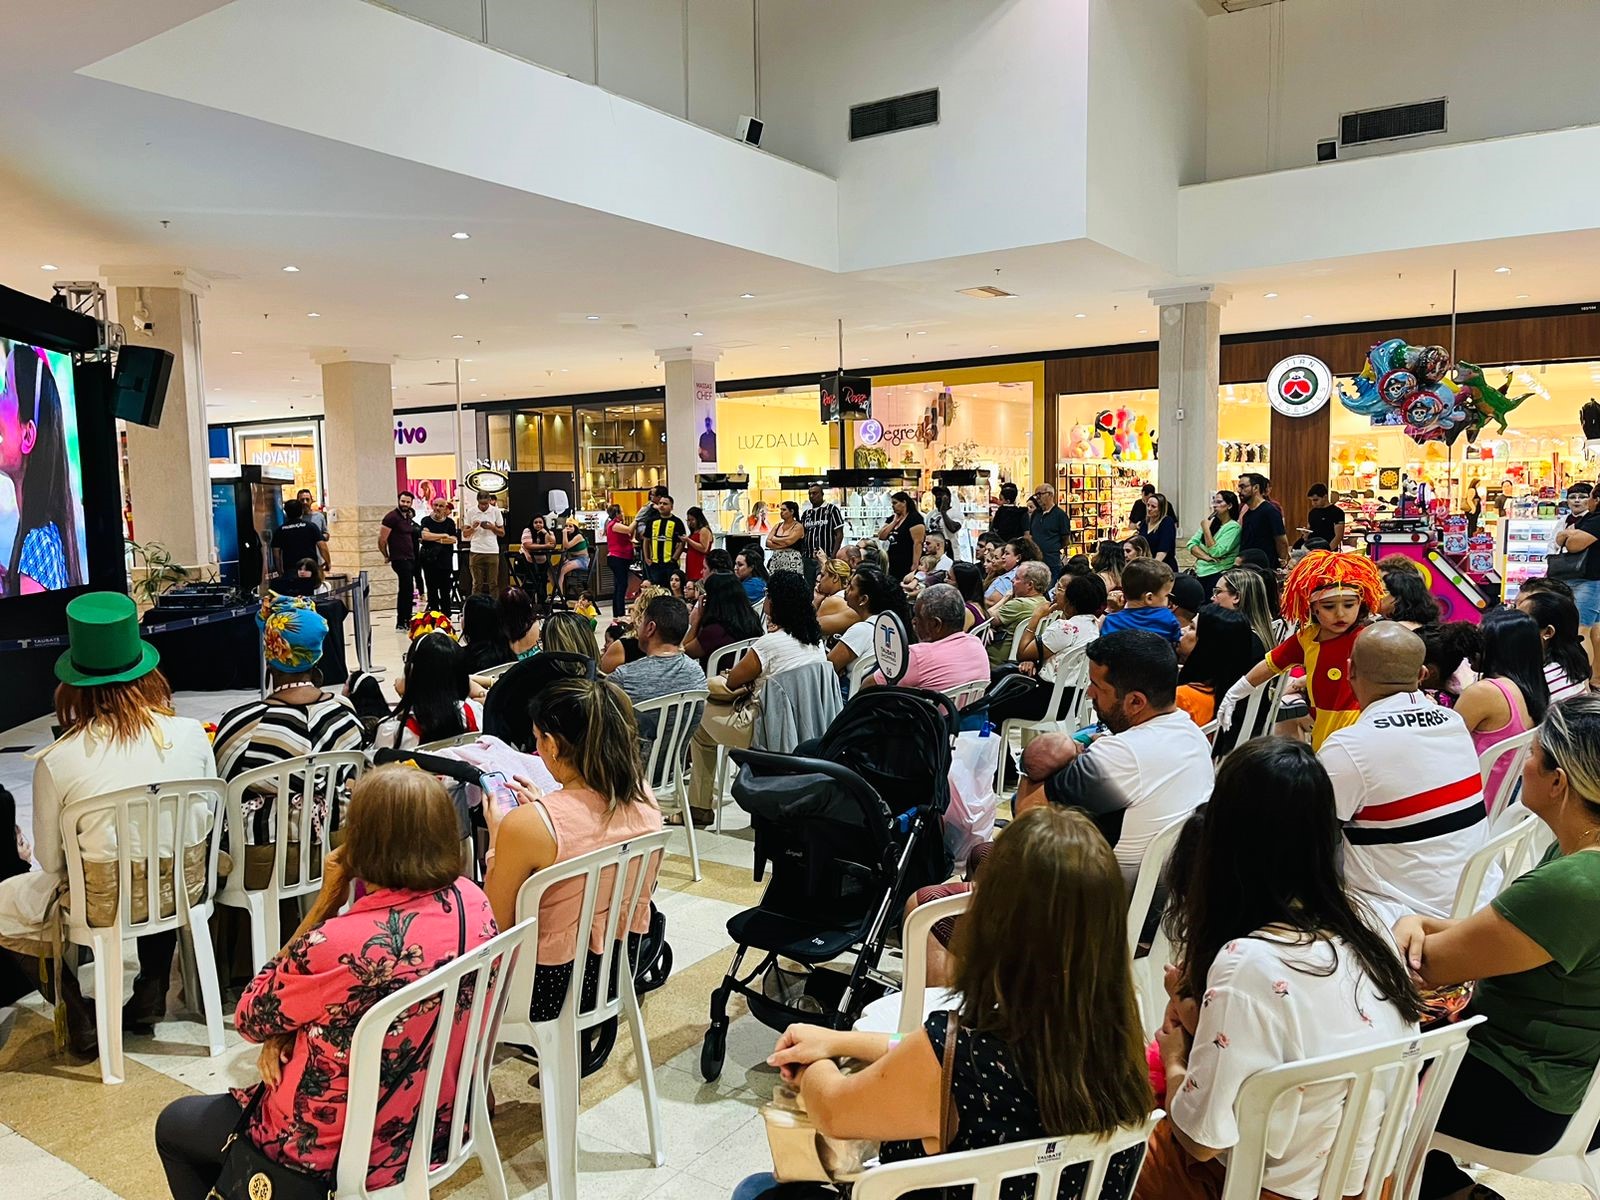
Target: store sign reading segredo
{"type": "Point", "coordinates": [1299, 385]}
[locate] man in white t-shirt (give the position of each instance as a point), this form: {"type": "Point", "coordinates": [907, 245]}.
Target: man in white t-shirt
{"type": "Point", "coordinates": [1405, 781]}
{"type": "Point", "coordinates": [1153, 769]}
{"type": "Point", "coordinates": [483, 530]}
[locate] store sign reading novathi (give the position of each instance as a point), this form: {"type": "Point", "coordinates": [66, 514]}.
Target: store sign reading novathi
{"type": "Point", "coordinates": [1299, 385]}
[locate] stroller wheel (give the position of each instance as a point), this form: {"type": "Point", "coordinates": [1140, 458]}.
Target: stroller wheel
{"type": "Point", "coordinates": [658, 971]}
{"type": "Point", "coordinates": [596, 1046]}
{"type": "Point", "coordinates": [713, 1052]}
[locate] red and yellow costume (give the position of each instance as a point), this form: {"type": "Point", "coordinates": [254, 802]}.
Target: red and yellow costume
{"type": "Point", "coordinates": [1326, 662]}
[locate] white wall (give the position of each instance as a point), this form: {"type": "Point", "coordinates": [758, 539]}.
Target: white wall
{"type": "Point", "coordinates": [1147, 120]}
{"type": "Point", "coordinates": [1005, 165]}
{"type": "Point", "coordinates": [1281, 75]}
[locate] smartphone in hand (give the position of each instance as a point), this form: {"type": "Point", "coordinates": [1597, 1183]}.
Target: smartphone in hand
{"type": "Point", "coordinates": [498, 791]}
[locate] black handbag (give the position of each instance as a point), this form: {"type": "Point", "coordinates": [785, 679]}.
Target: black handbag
{"type": "Point", "coordinates": [1568, 566]}
{"type": "Point", "coordinates": [248, 1174]}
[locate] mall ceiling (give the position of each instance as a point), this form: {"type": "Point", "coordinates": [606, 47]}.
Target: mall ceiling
{"type": "Point", "coordinates": [560, 299]}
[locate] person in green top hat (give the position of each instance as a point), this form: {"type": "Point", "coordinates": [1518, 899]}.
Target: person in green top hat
{"type": "Point", "coordinates": [119, 730]}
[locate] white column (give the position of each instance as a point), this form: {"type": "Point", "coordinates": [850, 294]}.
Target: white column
{"type": "Point", "coordinates": [691, 373]}
{"type": "Point", "coordinates": [358, 445]}
{"type": "Point", "coordinates": [1189, 369]}
{"type": "Point", "coordinates": [169, 482]}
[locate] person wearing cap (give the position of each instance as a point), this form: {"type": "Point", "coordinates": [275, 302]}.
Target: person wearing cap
{"type": "Point", "coordinates": [296, 717]}
{"type": "Point", "coordinates": [119, 729]}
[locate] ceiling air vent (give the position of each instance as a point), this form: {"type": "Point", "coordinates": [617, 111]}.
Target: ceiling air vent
{"type": "Point", "coordinates": [986, 293]}
{"type": "Point", "coordinates": [896, 113]}
{"type": "Point", "coordinates": [1386, 124]}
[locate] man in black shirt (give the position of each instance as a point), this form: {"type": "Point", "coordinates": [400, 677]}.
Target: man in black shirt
{"type": "Point", "coordinates": [1138, 513]}
{"type": "Point", "coordinates": [1575, 539]}
{"type": "Point", "coordinates": [664, 535]}
{"type": "Point", "coordinates": [397, 542]}
{"type": "Point", "coordinates": [436, 553]}
{"type": "Point", "coordinates": [1326, 519]}
{"type": "Point", "coordinates": [1260, 522]}
{"type": "Point", "coordinates": [824, 525]}
{"type": "Point", "coordinates": [1048, 527]}
{"type": "Point", "coordinates": [298, 538]}
{"type": "Point", "coordinates": [1010, 520]}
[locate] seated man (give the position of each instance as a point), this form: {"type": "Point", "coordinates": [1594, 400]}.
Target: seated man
{"type": "Point", "coordinates": [1152, 768]}
{"type": "Point", "coordinates": [1405, 781]}
{"type": "Point", "coordinates": [1028, 592]}
{"type": "Point", "coordinates": [944, 657]}
{"type": "Point", "coordinates": [665, 668]}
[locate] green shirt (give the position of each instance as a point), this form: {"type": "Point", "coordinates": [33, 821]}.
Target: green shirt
{"type": "Point", "coordinates": [1224, 548]}
{"type": "Point", "coordinates": [1004, 627]}
{"type": "Point", "coordinates": [1543, 1031]}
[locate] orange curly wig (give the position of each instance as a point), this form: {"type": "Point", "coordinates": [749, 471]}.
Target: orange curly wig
{"type": "Point", "coordinates": [1323, 569]}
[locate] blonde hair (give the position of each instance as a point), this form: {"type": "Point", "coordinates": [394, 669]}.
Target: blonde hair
{"type": "Point", "coordinates": [592, 722]}
{"type": "Point", "coordinates": [1569, 738]}
{"type": "Point", "coordinates": [122, 711]}
{"type": "Point", "coordinates": [400, 831]}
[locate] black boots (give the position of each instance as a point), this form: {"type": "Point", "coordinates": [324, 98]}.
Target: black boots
{"type": "Point", "coordinates": [147, 1005]}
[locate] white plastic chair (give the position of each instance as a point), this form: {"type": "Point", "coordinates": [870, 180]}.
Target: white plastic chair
{"type": "Point", "coordinates": [676, 719]}
{"type": "Point", "coordinates": [1511, 848]}
{"type": "Point", "coordinates": [720, 662]}
{"type": "Point", "coordinates": [981, 629]}
{"type": "Point", "coordinates": [967, 693]}
{"type": "Point", "coordinates": [1077, 681]}
{"type": "Point", "coordinates": [1148, 983]}
{"type": "Point", "coordinates": [914, 934]}
{"type": "Point", "coordinates": [479, 978]}
{"type": "Point", "coordinates": [298, 833]}
{"type": "Point", "coordinates": [1257, 715]}
{"type": "Point", "coordinates": [1016, 640]}
{"type": "Point", "coordinates": [1514, 752]}
{"type": "Point", "coordinates": [493, 673]}
{"type": "Point", "coordinates": [621, 871]}
{"type": "Point", "coordinates": [863, 666]}
{"type": "Point", "coordinates": [1569, 1161]}
{"type": "Point", "coordinates": [153, 822]}
{"type": "Point", "coordinates": [1043, 1159]}
{"type": "Point", "coordinates": [450, 743]}
{"type": "Point", "coordinates": [1390, 1071]}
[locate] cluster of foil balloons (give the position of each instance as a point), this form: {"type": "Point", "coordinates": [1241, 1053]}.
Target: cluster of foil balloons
{"type": "Point", "coordinates": [1420, 390]}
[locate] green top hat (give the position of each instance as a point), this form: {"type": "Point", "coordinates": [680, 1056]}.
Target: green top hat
{"type": "Point", "coordinates": [103, 642]}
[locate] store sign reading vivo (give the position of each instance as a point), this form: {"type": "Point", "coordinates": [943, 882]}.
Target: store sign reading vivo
{"type": "Point", "coordinates": [406, 435]}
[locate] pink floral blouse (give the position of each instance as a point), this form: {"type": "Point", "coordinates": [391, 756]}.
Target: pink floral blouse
{"type": "Point", "coordinates": [319, 988]}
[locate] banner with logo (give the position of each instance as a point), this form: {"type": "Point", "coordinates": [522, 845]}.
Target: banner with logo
{"type": "Point", "coordinates": [1299, 385]}
{"type": "Point", "coordinates": [846, 398]}
{"type": "Point", "coordinates": [705, 414]}
{"type": "Point", "coordinates": [424, 433]}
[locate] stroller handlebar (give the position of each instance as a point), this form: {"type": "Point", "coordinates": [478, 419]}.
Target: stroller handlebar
{"type": "Point", "coordinates": [791, 764]}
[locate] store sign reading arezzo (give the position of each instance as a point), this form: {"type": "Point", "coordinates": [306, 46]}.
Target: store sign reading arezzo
{"type": "Point", "coordinates": [1299, 385]}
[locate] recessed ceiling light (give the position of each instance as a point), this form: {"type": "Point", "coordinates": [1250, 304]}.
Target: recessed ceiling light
{"type": "Point", "coordinates": [1143, 331]}
{"type": "Point", "coordinates": [238, 352]}
{"type": "Point", "coordinates": [49, 267]}
{"type": "Point", "coordinates": [313, 314]}
{"type": "Point", "coordinates": [994, 346]}
{"type": "Point", "coordinates": [922, 333]}
{"type": "Point", "coordinates": [474, 379]}
{"type": "Point", "coordinates": [1522, 295]}
{"type": "Point", "coordinates": [591, 317]}
{"type": "Point", "coordinates": [1269, 295]}
{"type": "Point", "coordinates": [292, 269]}
{"type": "Point", "coordinates": [1307, 317]}
{"type": "Point", "coordinates": [1080, 316]}
{"type": "Point", "coordinates": [456, 337]}
{"type": "Point", "coordinates": [863, 358]}
{"type": "Point", "coordinates": [563, 370]}
{"type": "Point", "coordinates": [1502, 270]}
{"type": "Point", "coordinates": [459, 236]}
{"type": "Point", "coordinates": [697, 333]}
{"type": "Point", "coordinates": [482, 394]}
{"type": "Point", "coordinates": [783, 347]}
{"type": "Point", "coordinates": [747, 295]}
{"type": "Point", "coordinates": [216, 389]}
{"type": "Point", "coordinates": [462, 296]}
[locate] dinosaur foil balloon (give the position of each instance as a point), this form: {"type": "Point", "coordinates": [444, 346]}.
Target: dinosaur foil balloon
{"type": "Point", "coordinates": [1486, 403]}
{"type": "Point", "coordinates": [1415, 388]}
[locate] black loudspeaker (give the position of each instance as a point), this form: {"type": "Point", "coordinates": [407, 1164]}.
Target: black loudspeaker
{"type": "Point", "coordinates": [139, 388]}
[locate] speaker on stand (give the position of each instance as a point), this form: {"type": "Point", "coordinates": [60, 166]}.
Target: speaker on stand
{"type": "Point", "coordinates": [139, 386]}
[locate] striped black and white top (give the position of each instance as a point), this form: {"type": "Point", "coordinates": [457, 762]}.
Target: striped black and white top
{"type": "Point", "coordinates": [264, 732]}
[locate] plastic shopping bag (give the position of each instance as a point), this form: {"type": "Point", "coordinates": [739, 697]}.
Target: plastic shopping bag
{"type": "Point", "coordinates": [969, 820]}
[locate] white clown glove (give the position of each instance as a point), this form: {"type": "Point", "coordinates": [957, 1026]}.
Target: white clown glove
{"type": "Point", "coordinates": [1230, 701]}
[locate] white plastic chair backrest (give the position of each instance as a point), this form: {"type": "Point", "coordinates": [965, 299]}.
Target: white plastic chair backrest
{"type": "Point", "coordinates": [1075, 681]}
{"type": "Point", "coordinates": [914, 954]}
{"type": "Point", "coordinates": [1388, 1071]}
{"type": "Point", "coordinates": [1515, 749]}
{"type": "Point", "coordinates": [1210, 729]}
{"type": "Point", "coordinates": [723, 660]}
{"type": "Point", "coordinates": [328, 772]}
{"type": "Point", "coordinates": [168, 809]}
{"type": "Point", "coordinates": [477, 978]}
{"type": "Point", "coordinates": [760, 609]}
{"type": "Point", "coordinates": [1151, 865]}
{"type": "Point", "coordinates": [1044, 1159]}
{"type": "Point", "coordinates": [1150, 980]}
{"type": "Point", "coordinates": [966, 693]}
{"type": "Point", "coordinates": [1016, 640]}
{"type": "Point", "coordinates": [1511, 847]}
{"type": "Point", "coordinates": [495, 672]}
{"type": "Point", "coordinates": [981, 629]}
{"type": "Point", "coordinates": [620, 871]}
{"type": "Point", "coordinates": [450, 743]}
{"type": "Point", "coordinates": [677, 716]}
{"type": "Point", "coordinates": [864, 665]}
{"type": "Point", "coordinates": [1259, 712]}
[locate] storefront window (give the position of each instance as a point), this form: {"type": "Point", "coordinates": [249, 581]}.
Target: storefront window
{"type": "Point", "coordinates": [624, 453]}
{"type": "Point", "coordinates": [766, 435]}
{"type": "Point", "coordinates": [500, 437]}
{"type": "Point", "coordinates": [297, 448]}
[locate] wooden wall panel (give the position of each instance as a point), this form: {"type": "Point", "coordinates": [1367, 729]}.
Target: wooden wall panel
{"type": "Point", "coordinates": [1112, 371]}
{"type": "Point", "coordinates": [1300, 447]}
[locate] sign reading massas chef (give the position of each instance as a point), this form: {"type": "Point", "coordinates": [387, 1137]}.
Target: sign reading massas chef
{"type": "Point", "coordinates": [1299, 385]}
{"type": "Point", "coordinates": [424, 433]}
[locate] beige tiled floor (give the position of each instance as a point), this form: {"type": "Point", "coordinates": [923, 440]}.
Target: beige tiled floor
{"type": "Point", "coordinates": [65, 1135]}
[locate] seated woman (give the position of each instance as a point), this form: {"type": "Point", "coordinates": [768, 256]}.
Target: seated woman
{"type": "Point", "coordinates": [750, 568]}
{"type": "Point", "coordinates": [869, 593]}
{"type": "Point", "coordinates": [482, 635]}
{"type": "Point", "coordinates": [1407, 600]}
{"type": "Point", "coordinates": [296, 718]}
{"type": "Point", "coordinates": [585, 733]}
{"type": "Point", "coordinates": [118, 728]}
{"type": "Point", "coordinates": [1535, 952]}
{"type": "Point", "coordinates": [1061, 631]}
{"type": "Point", "coordinates": [1225, 648]}
{"type": "Point", "coordinates": [622, 640]}
{"type": "Point", "coordinates": [518, 624]}
{"type": "Point", "coordinates": [968, 579]}
{"type": "Point", "coordinates": [794, 640]}
{"type": "Point", "coordinates": [1446, 671]}
{"type": "Point", "coordinates": [541, 551]}
{"type": "Point", "coordinates": [415, 915]}
{"type": "Point", "coordinates": [1566, 662]}
{"type": "Point", "coordinates": [834, 612]}
{"type": "Point", "coordinates": [720, 617]}
{"type": "Point", "coordinates": [1279, 966]}
{"type": "Point", "coordinates": [1070, 1061]}
{"type": "Point", "coordinates": [574, 554]}
{"type": "Point", "coordinates": [1511, 695]}
{"type": "Point", "coordinates": [434, 701]}
{"type": "Point", "coordinates": [303, 578]}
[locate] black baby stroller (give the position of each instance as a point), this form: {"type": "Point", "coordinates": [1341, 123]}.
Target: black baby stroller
{"type": "Point", "coordinates": [851, 831]}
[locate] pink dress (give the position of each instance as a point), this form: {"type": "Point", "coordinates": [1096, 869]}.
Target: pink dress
{"type": "Point", "coordinates": [321, 986]}
{"type": "Point", "coordinates": [1484, 739]}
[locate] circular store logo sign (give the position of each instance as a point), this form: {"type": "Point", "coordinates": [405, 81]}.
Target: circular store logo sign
{"type": "Point", "coordinates": [870, 433]}
{"type": "Point", "coordinates": [1299, 385]}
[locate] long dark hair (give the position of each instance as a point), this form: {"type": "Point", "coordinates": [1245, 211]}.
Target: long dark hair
{"type": "Point", "coordinates": [1109, 557]}
{"type": "Point", "coordinates": [46, 482]}
{"type": "Point", "coordinates": [1269, 856]}
{"type": "Point", "coordinates": [883, 594]}
{"type": "Point", "coordinates": [1231, 499]}
{"type": "Point", "coordinates": [968, 577]}
{"type": "Point", "coordinates": [1512, 649]}
{"type": "Point", "coordinates": [1412, 600]}
{"type": "Point", "coordinates": [1557, 612]}
{"type": "Point", "coordinates": [516, 614]}
{"type": "Point", "coordinates": [695, 518]}
{"type": "Point", "coordinates": [1225, 648]}
{"type": "Point", "coordinates": [436, 684]}
{"type": "Point", "coordinates": [755, 560]}
{"type": "Point", "coordinates": [727, 605]}
{"type": "Point", "coordinates": [485, 640]}
{"type": "Point", "coordinates": [789, 608]}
